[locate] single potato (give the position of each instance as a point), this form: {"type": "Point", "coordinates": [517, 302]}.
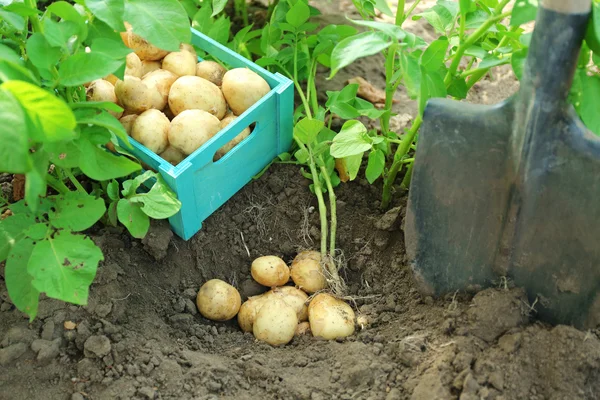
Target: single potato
{"type": "Point", "coordinates": [181, 63]}
{"type": "Point", "coordinates": [151, 129]}
{"type": "Point", "coordinates": [218, 300]}
{"type": "Point", "coordinates": [195, 93]}
{"type": "Point", "coordinates": [133, 65]}
{"type": "Point", "coordinates": [101, 90]}
{"type": "Point", "coordinates": [235, 141]}
{"type": "Point", "coordinates": [141, 47]}
{"type": "Point", "coordinates": [136, 96]}
{"type": "Point", "coordinates": [191, 129]}
{"type": "Point", "coordinates": [307, 274]}
{"type": "Point", "coordinates": [172, 155]}
{"type": "Point", "coordinates": [211, 71]}
{"type": "Point", "coordinates": [330, 318]}
{"type": "Point", "coordinates": [242, 88]}
{"type": "Point", "coordinates": [161, 80]}
{"type": "Point", "coordinates": [270, 271]}
{"type": "Point", "coordinates": [303, 328]}
{"type": "Point", "coordinates": [275, 323]}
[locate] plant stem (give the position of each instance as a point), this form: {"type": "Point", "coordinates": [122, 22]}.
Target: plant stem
{"type": "Point", "coordinates": [297, 84]}
{"type": "Point", "coordinates": [311, 88]}
{"type": "Point", "coordinates": [35, 21]}
{"type": "Point", "coordinates": [410, 10]}
{"type": "Point", "coordinates": [390, 89]}
{"type": "Point", "coordinates": [57, 184]}
{"type": "Point", "coordinates": [74, 180]}
{"type": "Point", "coordinates": [401, 151]}
{"type": "Point", "coordinates": [469, 42]}
{"type": "Point", "coordinates": [400, 12]}
{"type": "Point", "coordinates": [407, 177]}
{"type": "Point", "coordinates": [332, 208]}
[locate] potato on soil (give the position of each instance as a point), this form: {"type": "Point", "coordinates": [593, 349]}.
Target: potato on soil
{"type": "Point", "coordinates": [330, 318]}
{"type": "Point", "coordinates": [294, 298]}
{"type": "Point", "coordinates": [136, 96]}
{"type": "Point", "coordinates": [172, 155]}
{"type": "Point", "coordinates": [127, 122]}
{"type": "Point", "coordinates": [151, 129]}
{"type": "Point", "coordinates": [242, 88]}
{"type": "Point", "coordinates": [218, 300]}
{"type": "Point", "coordinates": [149, 66]}
{"type": "Point", "coordinates": [191, 129]}
{"type": "Point", "coordinates": [303, 328]}
{"type": "Point", "coordinates": [162, 80]}
{"type": "Point", "coordinates": [233, 142]}
{"type": "Point", "coordinates": [275, 323]}
{"type": "Point", "coordinates": [307, 254]}
{"type": "Point", "coordinates": [181, 63]}
{"type": "Point", "coordinates": [101, 90]}
{"type": "Point", "coordinates": [133, 65]}
{"type": "Point", "coordinates": [248, 311]}
{"type": "Point", "coordinates": [270, 271]}
{"type": "Point", "coordinates": [141, 47]}
{"type": "Point", "coordinates": [195, 93]}
{"type": "Point", "coordinates": [307, 274]}
{"type": "Point", "coordinates": [211, 71]}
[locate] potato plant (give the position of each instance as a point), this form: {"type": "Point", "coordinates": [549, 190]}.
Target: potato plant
{"type": "Point", "coordinates": [63, 139]}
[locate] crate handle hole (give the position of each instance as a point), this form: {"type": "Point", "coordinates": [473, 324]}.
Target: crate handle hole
{"type": "Point", "coordinates": [235, 142]}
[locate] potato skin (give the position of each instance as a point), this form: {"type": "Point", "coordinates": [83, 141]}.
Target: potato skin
{"type": "Point", "coordinates": [195, 93]}
{"type": "Point", "coordinates": [307, 274]}
{"type": "Point", "coordinates": [275, 323]}
{"type": "Point", "coordinates": [151, 129]}
{"type": "Point", "coordinates": [181, 63]}
{"type": "Point", "coordinates": [136, 96]}
{"type": "Point", "coordinates": [233, 142]}
{"type": "Point", "coordinates": [294, 298]}
{"type": "Point", "coordinates": [189, 48]}
{"type": "Point", "coordinates": [330, 318]}
{"type": "Point", "coordinates": [218, 300]}
{"type": "Point", "coordinates": [133, 65]}
{"type": "Point", "coordinates": [127, 122]}
{"type": "Point", "coordinates": [144, 49]}
{"type": "Point", "coordinates": [191, 129]}
{"type": "Point", "coordinates": [248, 311]}
{"type": "Point", "coordinates": [211, 71]}
{"type": "Point", "coordinates": [161, 80]}
{"type": "Point", "coordinates": [149, 66]}
{"type": "Point", "coordinates": [172, 155]}
{"type": "Point", "coordinates": [270, 271]}
{"type": "Point", "coordinates": [242, 88]}
{"type": "Point", "coordinates": [101, 90]}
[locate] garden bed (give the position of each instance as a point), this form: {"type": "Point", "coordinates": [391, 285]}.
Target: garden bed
{"type": "Point", "coordinates": [141, 335]}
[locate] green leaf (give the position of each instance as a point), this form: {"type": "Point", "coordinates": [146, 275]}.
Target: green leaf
{"type": "Point", "coordinates": [306, 130]}
{"type": "Point", "coordinates": [35, 180]}
{"type": "Point", "coordinates": [22, 9]}
{"type": "Point", "coordinates": [86, 67]}
{"type": "Point", "coordinates": [41, 54]}
{"type": "Point", "coordinates": [111, 213]}
{"type": "Point", "coordinates": [14, 152]}
{"type": "Point", "coordinates": [12, 229]}
{"type": "Point", "coordinates": [160, 202]}
{"type": "Point", "coordinates": [493, 61]}
{"type": "Point", "coordinates": [518, 60]}
{"type": "Point", "coordinates": [589, 100]}
{"type": "Point", "coordinates": [110, 48]}
{"type": "Point", "coordinates": [301, 155]}
{"type": "Point", "coordinates": [351, 140]}
{"type": "Point", "coordinates": [105, 120]}
{"type": "Point", "coordinates": [432, 85]}
{"type": "Point", "coordinates": [220, 30]}
{"type": "Point", "coordinates": [112, 190]}
{"type": "Point", "coordinates": [18, 282]}
{"type": "Point", "coordinates": [8, 54]}
{"type": "Point", "coordinates": [393, 31]}
{"type": "Point", "coordinates": [383, 6]}
{"type": "Point", "coordinates": [433, 57]}
{"type": "Point", "coordinates": [133, 218]}
{"type": "Point", "coordinates": [10, 71]}
{"type": "Point", "coordinates": [164, 23]}
{"type": "Point", "coordinates": [68, 13]}
{"type": "Point", "coordinates": [76, 211]}
{"type": "Point", "coordinates": [131, 186]}
{"type": "Point", "coordinates": [592, 36]}
{"type": "Point", "coordinates": [466, 6]}
{"type": "Point", "coordinates": [375, 165]}
{"type": "Point", "coordinates": [102, 165]}
{"type": "Point", "coordinates": [56, 119]}
{"type": "Point", "coordinates": [109, 11]}
{"type": "Point", "coordinates": [353, 165]}
{"type": "Point", "coordinates": [458, 88]}
{"type": "Point", "coordinates": [298, 14]}
{"type": "Point", "coordinates": [58, 34]}
{"type": "Point", "coordinates": [218, 6]}
{"type": "Point", "coordinates": [523, 11]}
{"type": "Point", "coordinates": [344, 110]}
{"type": "Point", "coordinates": [65, 266]}
{"type": "Point", "coordinates": [37, 231]}
{"type": "Point", "coordinates": [439, 17]}
{"type": "Point", "coordinates": [64, 154]}
{"type": "Point", "coordinates": [358, 46]}
{"type": "Point", "coordinates": [409, 62]}
{"type": "Point", "coordinates": [13, 19]}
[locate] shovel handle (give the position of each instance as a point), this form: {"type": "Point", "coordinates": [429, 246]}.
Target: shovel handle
{"type": "Point", "coordinates": [568, 6]}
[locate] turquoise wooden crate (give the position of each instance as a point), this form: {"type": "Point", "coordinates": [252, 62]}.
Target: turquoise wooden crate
{"type": "Point", "coordinates": [202, 185]}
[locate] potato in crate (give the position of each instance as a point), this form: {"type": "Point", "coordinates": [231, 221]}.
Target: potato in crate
{"type": "Point", "coordinates": [205, 128]}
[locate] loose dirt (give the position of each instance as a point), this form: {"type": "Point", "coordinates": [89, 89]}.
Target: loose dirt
{"type": "Point", "coordinates": [141, 337]}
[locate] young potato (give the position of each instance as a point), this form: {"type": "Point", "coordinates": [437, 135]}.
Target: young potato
{"type": "Point", "coordinates": [242, 88]}
{"type": "Point", "coordinates": [303, 328]}
{"type": "Point", "coordinates": [308, 275]}
{"type": "Point", "coordinates": [211, 71]}
{"type": "Point", "coordinates": [275, 323]}
{"type": "Point", "coordinates": [101, 90]}
{"type": "Point", "coordinates": [181, 63]}
{"type": "Point", "coordinates": [189, 48]}
{"type": "Point", "coordinates": [294, 298]}
{"type": "Point", "coordinates": [151, 129]}
{"type": "Point", "coordinates": [195, 93]}
{"type": "Point", "coordinates": [161, 80]}
{"type": "Point", "coordinates": [149, 66]}
{"type": "Point", "coordinates": [133, 65]}
{"type": "Point", "coordinates": [127, 122]}
{"type": "Point", "coordinates": [310, 254]}
{"type": "Point", "coordinates": [248, 311]}
{"type": "Point", "coordinates": [112, 79]}
{"type": "Point", "coordinates": [235, 141]}
{"type": "Point", "coordinates": [141, 47]}
{"type": "Point", "coordinates": [330, 318]}
{"type": "Point", "coordinates": [270, 271]}
{"type": "Point", "coordinates": [218, 300]}
{"type": "Point", "coordinates": [136, 97]}
{"type": "Point", "coordinates": [172, 155]}
{"type": "Point", "coordinates": [191, 129]}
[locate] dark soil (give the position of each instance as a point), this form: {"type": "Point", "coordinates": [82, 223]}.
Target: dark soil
{"type": "Point", "coordinates": [141, 336]}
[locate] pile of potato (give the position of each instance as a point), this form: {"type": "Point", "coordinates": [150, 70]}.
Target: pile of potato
{"type": "Point", "coordinates": [283, 312]}
{"type": "Point", "coordinates": [173, 103]}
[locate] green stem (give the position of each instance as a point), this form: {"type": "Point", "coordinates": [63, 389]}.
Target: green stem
{"type": "Point", "coordinates": [401, 151]}
{"type": "Point", "coordinates": [407, 177]}
{"type": "Point", "coordinates": [400, 12]}
{"type": "Point", "coordinates": [390, 89]}
{"type": "Point", "coordinates": [57, 184]}
{"type": "Point", "coordinates": [312, 88]}
{"type": "Point", "coordinates": [35, 22]}
{"type": "Point", "coordinates": [469, 42]}
{"type": "Point", "coordinates": [332, 208]}
{"type": "Point", "coordinates": [476, 77]}
{"type": "Point", "coordinates": [297, 84]}
{"type": "Point", "coordinates": [410, 10]}
{"type": "Point", "coordinates": [74, 181]}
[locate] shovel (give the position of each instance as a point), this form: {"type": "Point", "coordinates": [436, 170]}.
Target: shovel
{"type": "Point", "coordinates": [511, 192]}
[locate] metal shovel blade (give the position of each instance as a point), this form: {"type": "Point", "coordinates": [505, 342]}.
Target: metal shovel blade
{"type": "Point", "coordinates": [513, 190]}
